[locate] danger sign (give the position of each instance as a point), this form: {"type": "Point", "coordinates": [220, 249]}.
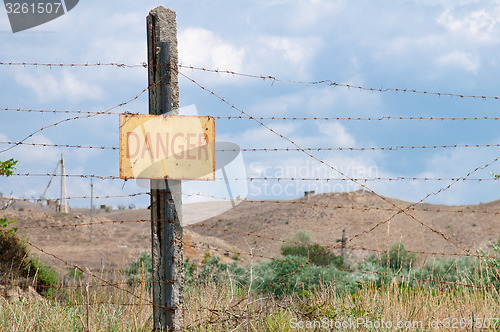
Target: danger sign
{"type": "Point", "coordinates": [167, 147]}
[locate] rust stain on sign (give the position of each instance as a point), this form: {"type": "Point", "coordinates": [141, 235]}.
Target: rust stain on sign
{"type": "Point", "coordinates": [167, 147]}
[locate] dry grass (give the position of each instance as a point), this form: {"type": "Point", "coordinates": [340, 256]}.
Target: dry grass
{"type": "Point", "coordinates": [224, 307]}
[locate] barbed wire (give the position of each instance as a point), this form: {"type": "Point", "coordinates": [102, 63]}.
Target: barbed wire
{"type": "Point", "coordinates": [87, 64]}
{"type": "Point", "coordinates": [331, 83]}
{"type": "Point", "coordinates": [270, 78]}
{"type": "Point", "coordinates": [38, 200]}
{"type": "Point", "coordinates": [83, 176]}
{"type": "Point", "coordinates": [381, 118]}
{"type": "Point", "coordinates": [62, 145]}
{"type": "Point", "coordinates": [274, 118]}
{"type": "Point", "coordinates": [63, 111]}
{"type": "Point", "coordinates": [389, 148]}
{"type": "Point", "coordinates": [400, 178]}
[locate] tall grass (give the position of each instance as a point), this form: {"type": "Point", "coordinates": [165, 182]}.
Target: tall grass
{"type": "Point", "coordinates": [225, 306]}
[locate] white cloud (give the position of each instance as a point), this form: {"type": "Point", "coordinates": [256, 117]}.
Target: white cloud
{"type": "Point", "coordinates": [277, 105]}
{"type": "Point", "coordinates": [57, 86]}
{"type": "Point", "coordinates": [482, 25]}
{"type": "Point", "coordinates": [335, 134]}
{"type": "Point", "coordinates": [304, 14]}
{"type": "Point", "coordinates": [461, 60]}
{"type": "Point", "coordinates": [295, 51]}
{"type": "Point", "coordinates": [341, 101]}
{"type": "Point", "coordinates": [202, 47]}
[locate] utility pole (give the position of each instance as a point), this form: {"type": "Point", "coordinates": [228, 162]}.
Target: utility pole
{"type": "Point", "coordinates": [343, 241]}
{"type": "Point", "coordinates": [63, 202]}
{"type": "Point", "coordinates": [91, 206]}
{"type": "Point", "coordinates": [166, 199]}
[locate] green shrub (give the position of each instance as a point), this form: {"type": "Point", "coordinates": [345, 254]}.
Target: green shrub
{"type": "Point", "coordinates": [4, 223]}
{"type": "Point", "coordinates": [398, 258]}
{"type": "Point", "coordinates": [8, 167]}
{"type": "Point", "coordinates": [303, 247]}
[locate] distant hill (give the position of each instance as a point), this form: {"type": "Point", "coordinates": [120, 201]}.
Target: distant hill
{"type": "Point", "coordinates": [117, 244]}
{"type": "Point", "coordinates": [326, 215]}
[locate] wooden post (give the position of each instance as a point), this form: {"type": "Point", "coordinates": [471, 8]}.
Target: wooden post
{"type": "Point", "coordinates": [166, 199]}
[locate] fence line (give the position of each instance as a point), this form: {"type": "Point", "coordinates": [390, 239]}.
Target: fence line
{"type": "Point", "coordinates": [270, 78]}
{"type": "Point", "coordinates": [394, 208]}
{"type": "Point", "coordinates": [336, 84]}
{"type": "Point", "coordinates": [353, 179]}
{"type": "Point", "coordinates": [60, 65]}
{"type": "Point", "coordinates": [274, 118]}
{"type": "Point", "coordinates": [389, 148]}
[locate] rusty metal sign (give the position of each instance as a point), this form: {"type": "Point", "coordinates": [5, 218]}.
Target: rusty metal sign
{"type": "Point", "coordinates": [167, 147]}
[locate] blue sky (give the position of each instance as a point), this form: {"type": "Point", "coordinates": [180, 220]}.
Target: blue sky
{"type": "Point", "coordinates": [440, 46]}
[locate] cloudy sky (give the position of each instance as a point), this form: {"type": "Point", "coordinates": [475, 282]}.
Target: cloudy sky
{"type": "Point", "coordinates": [436, 46]}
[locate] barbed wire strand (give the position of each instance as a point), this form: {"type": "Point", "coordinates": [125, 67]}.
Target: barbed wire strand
{"type": "Point", "coordinates": [388, 148]}
{"type": "Point", "coordinates": [271, 78]}
{"type": "Point", "coordinates": [331, 83]}
{"type": "Point", "coordinates": [400, 178]}
{"type": "Point", "coordinates": [87, 64]}
{"type": "Point", "coordinates": [274, 118]}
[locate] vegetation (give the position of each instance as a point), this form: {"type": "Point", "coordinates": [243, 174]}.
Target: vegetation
{"type": "Point", "coordinates": [277, 295]}
{"type": "Point", "coordinates": [5, 223]}
{"type": "Point", "coordinates": [225, 306]}
{"type": "Point", "coordinates": [300, 245]}
{"type": "Point", "coordinates": [19, 266]}
{"type": "Point", "coordinates": [7, 167]}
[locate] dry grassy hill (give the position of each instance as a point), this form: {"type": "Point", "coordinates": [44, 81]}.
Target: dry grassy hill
{"type": "Point", "coordinates": [326, 215]}
{"type": "Point", "coordinates": [115, 245]}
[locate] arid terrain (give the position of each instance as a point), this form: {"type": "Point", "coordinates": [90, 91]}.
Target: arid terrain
{"type": "Point", "coordinates": [115, 245]}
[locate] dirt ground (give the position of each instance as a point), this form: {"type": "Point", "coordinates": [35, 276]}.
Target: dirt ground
{"type": "Point", "coordinates": [434, 229]}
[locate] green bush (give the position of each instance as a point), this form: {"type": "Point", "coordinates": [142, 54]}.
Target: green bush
{"type": "Point", "coordinates": [398, 258]}
{"type": "Point", "coordinates": [301, 246]}
{"type": "Point", "coordinates": [8, 167]}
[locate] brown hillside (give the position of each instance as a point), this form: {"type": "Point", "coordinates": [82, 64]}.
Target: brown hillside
{"type": "Point", "coordinates": [326, 215]}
